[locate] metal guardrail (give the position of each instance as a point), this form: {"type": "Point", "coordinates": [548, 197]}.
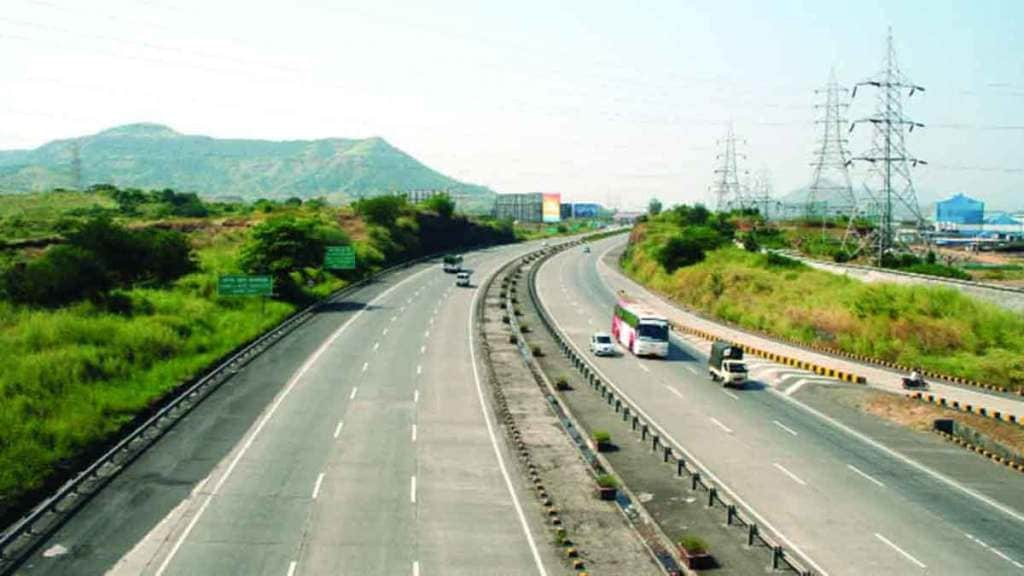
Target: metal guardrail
{"type": "Point", "coordinates": [649, 430]}
{"type": "Point", "coordinates": [21, 538]}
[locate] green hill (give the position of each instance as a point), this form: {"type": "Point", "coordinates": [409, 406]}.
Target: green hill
{"type": "Point", "coordinates": [154, 156]}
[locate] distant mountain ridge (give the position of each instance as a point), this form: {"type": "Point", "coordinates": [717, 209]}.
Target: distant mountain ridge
{"type": "Point", "coordinates": [156, 156]}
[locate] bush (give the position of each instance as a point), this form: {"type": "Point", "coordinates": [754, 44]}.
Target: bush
{"type": "Point", "coordinates": [679, 252]}
{"type": "Point", "coordinates": [693, 544]}
{"type": "Point", "coordinates": [602, 436]}
{"type": "Point", "coordinates": [607, 481]}
{"type": "Point", "coordinates": [537, 352]}
{"type": "Point", "coordinates": [524, 328]}
{"type": "Point", "coordinates": [281, 246]}
{"type": "Point", "coordinates": [512, 339]}
{"type": "Point", "coordinates": [62, 275]}
{"type": "Point", "coordinates": [562, 383]}
{"type": "Point", "coordinates": [381, 210]}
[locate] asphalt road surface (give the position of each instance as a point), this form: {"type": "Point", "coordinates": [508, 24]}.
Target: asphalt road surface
{"type": "Point", "coordinates": [360, 444]}
{"type": "Point", "coordinates": [840, 496]}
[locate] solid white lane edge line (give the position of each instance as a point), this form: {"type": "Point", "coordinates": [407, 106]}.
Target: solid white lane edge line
{"type": "Point", "coordinates": [995, 551]}
{"type": "Point", "coordinates": [757, 515]}
{"type": "Point", "coordinates": [867, 477]}
{"type": "Point", "coordinates": [270, 413]}
{"type": "Point", "coordinates": [673, 390]}
{"type": "Point", "coordinates": [291, 567]}
{"type": "Point", "coordinates": [413, 432]}
{"type": "Point", "coordinates": [337, 429]}
{"type": "Point", "coordinates": [903, 552]}
{"type": "Point", "coordinates": [352, 396]}
{"type": "Point", "coordinates": [794, 477]}
{"type": "Point", "coordinates": [729, 394]}
{"type": "Point", "coordinates": [412, 490]}
{"type": "Point", "coordinates": [784, 427]}
{"type": "Point", "coordinates": [913, 463]}
{"type": "Point", "coordinates": [720, 425]}
{"type": "Point", "coordinates": [494, 440]}
{"type": "Point", "coordinates": [316, 487]}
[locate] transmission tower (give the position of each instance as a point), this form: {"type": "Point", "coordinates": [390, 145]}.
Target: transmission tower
{"type": "Point", "coordinates": [762, 194]}
{"type": "Point", "coordinates": [831, 179]}
{"type": "Point", "coordinates": [76, 166]}
{"type": "Point", "coordinates": [888, 156]}
{"type": "Point", "coordinates": [726, 188]}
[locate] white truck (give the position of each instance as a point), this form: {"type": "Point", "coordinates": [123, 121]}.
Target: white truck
{"type": "Point", "coordinates": [725, 364]}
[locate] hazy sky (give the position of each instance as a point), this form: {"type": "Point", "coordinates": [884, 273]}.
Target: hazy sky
{"type": "Point", "coordinates": [606, 101]}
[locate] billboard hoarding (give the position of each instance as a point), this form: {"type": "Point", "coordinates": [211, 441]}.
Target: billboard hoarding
{"type": "Point", "coordinates": [552, 207]}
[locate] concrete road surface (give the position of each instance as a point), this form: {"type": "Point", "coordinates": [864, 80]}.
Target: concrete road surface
{"type": "Point", "coordinates": [840, 496]}
{"type": "Point", "coordinates": [359, 445]}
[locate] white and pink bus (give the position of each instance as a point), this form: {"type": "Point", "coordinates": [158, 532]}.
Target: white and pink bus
{"type": "Point", "coordinates": [638, 328]}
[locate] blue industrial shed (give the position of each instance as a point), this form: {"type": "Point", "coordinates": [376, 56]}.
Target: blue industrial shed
{"type": "Point", "coordinates": [960, 210]}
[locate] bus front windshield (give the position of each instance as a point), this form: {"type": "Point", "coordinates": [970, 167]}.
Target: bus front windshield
{"type": "Point", "coordinates": [653, 332]}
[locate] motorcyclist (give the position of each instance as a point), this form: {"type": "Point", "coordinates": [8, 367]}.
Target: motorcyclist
{"type": "Point", "coordinates": [916, 378]}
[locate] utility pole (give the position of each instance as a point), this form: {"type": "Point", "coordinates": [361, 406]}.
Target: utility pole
{"type": "Point", "coordinates": [830, 182]}
{"type": "Point", "coordinates": [888, 155]}
{"type": "Point", "coordinates": [726, 188]}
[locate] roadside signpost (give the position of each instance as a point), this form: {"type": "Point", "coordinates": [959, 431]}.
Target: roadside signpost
{"type": "Point", "coordinates": [243, 285]}
{"type": "Point", "coordinates": [340, 258]}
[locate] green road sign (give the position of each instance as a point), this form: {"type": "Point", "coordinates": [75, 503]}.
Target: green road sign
{"type": "Point", "coordinates": [238, 285]}
{"type": "Point", "coordinates": [340, 258]}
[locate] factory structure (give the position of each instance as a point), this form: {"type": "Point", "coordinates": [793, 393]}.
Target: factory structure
{"type": "Point", "coordinates": [962, 216]}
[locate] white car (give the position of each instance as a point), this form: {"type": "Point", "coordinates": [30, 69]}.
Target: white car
{"type": "Point", "coordinates": [601, 344]}
{"type": "Point", "coordinates": [462, 279]}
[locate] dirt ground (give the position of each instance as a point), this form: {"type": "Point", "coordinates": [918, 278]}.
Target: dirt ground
{"type": "Point", "coordinates": [920, 415]}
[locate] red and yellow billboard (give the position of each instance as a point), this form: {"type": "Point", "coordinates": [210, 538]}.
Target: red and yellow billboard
{"type": "Point", "coordinates": [552, 208]}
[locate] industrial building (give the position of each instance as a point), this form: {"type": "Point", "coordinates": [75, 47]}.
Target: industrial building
{"type": "Point", "coordinates": [959, 213]}
{"type": "Point", "coordinates": [529, 207]}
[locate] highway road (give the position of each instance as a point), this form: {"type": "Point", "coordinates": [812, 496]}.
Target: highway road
{"type": "Point", "coordinates": [361, 444]}
{"type": "Point", "coordinates": [840, 496]}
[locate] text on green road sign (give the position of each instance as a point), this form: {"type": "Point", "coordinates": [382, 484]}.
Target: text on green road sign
{"type": "Point", "coordinates": [340, 258]}
{"type": "Point", "coordinates": [241, 285]}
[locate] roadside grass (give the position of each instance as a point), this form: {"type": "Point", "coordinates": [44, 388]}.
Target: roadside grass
{"type": "Point", "coordinates": [36, 215]}
{"type": "Point", "coordinates": [74, 376]}
{"type": "Point", "coordinates": [936, 328]}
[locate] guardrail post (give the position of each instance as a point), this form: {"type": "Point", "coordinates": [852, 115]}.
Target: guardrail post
{"type": "Point", "coordinates": [776, 557]}
{"type": "Point", "coordinates": [618, 405]}
{"type": "Point", "coordinates": [667, 454]}
{"type": "Point", "coordinates": [625, 413]}
{"type": "Point", "coordinates": [712, 494]}
{"type": "Point", "coordinates": [694, 480]}
{"type": "Point", "coordinates": [680, 467]}
{"type": "Point", "coordinates": [643, 433]}
{"type": "Point", "coordinates": [751, 534]}
{"type": "Point", "coordinates": [654, 442]}
{"type": "Point", "coordinates": [636, 422]}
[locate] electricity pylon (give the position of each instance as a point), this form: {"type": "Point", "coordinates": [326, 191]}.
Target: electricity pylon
{"type": "Point", "coordinates": [888, 156]}
{"type": "Point", "coordinates": [831, 177]}
{"type": "Point", "coordinates": [76, 166]}
{"type": "Point", "coordinates": [726, 188]}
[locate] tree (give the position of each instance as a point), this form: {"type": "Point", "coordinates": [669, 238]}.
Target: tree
{"type": "Point", "coordinates": [381, 210]}
{"type": "Point", "coordinates": [654, 207]}
{"type": "Point", "coordinates": [293, 201]}
{"type": "Point", "coordinates": [442, 204]}
{"type": "Point", "coordinates": [281, 246]}
{"type": "Point", "coordinates": [62, 275]}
